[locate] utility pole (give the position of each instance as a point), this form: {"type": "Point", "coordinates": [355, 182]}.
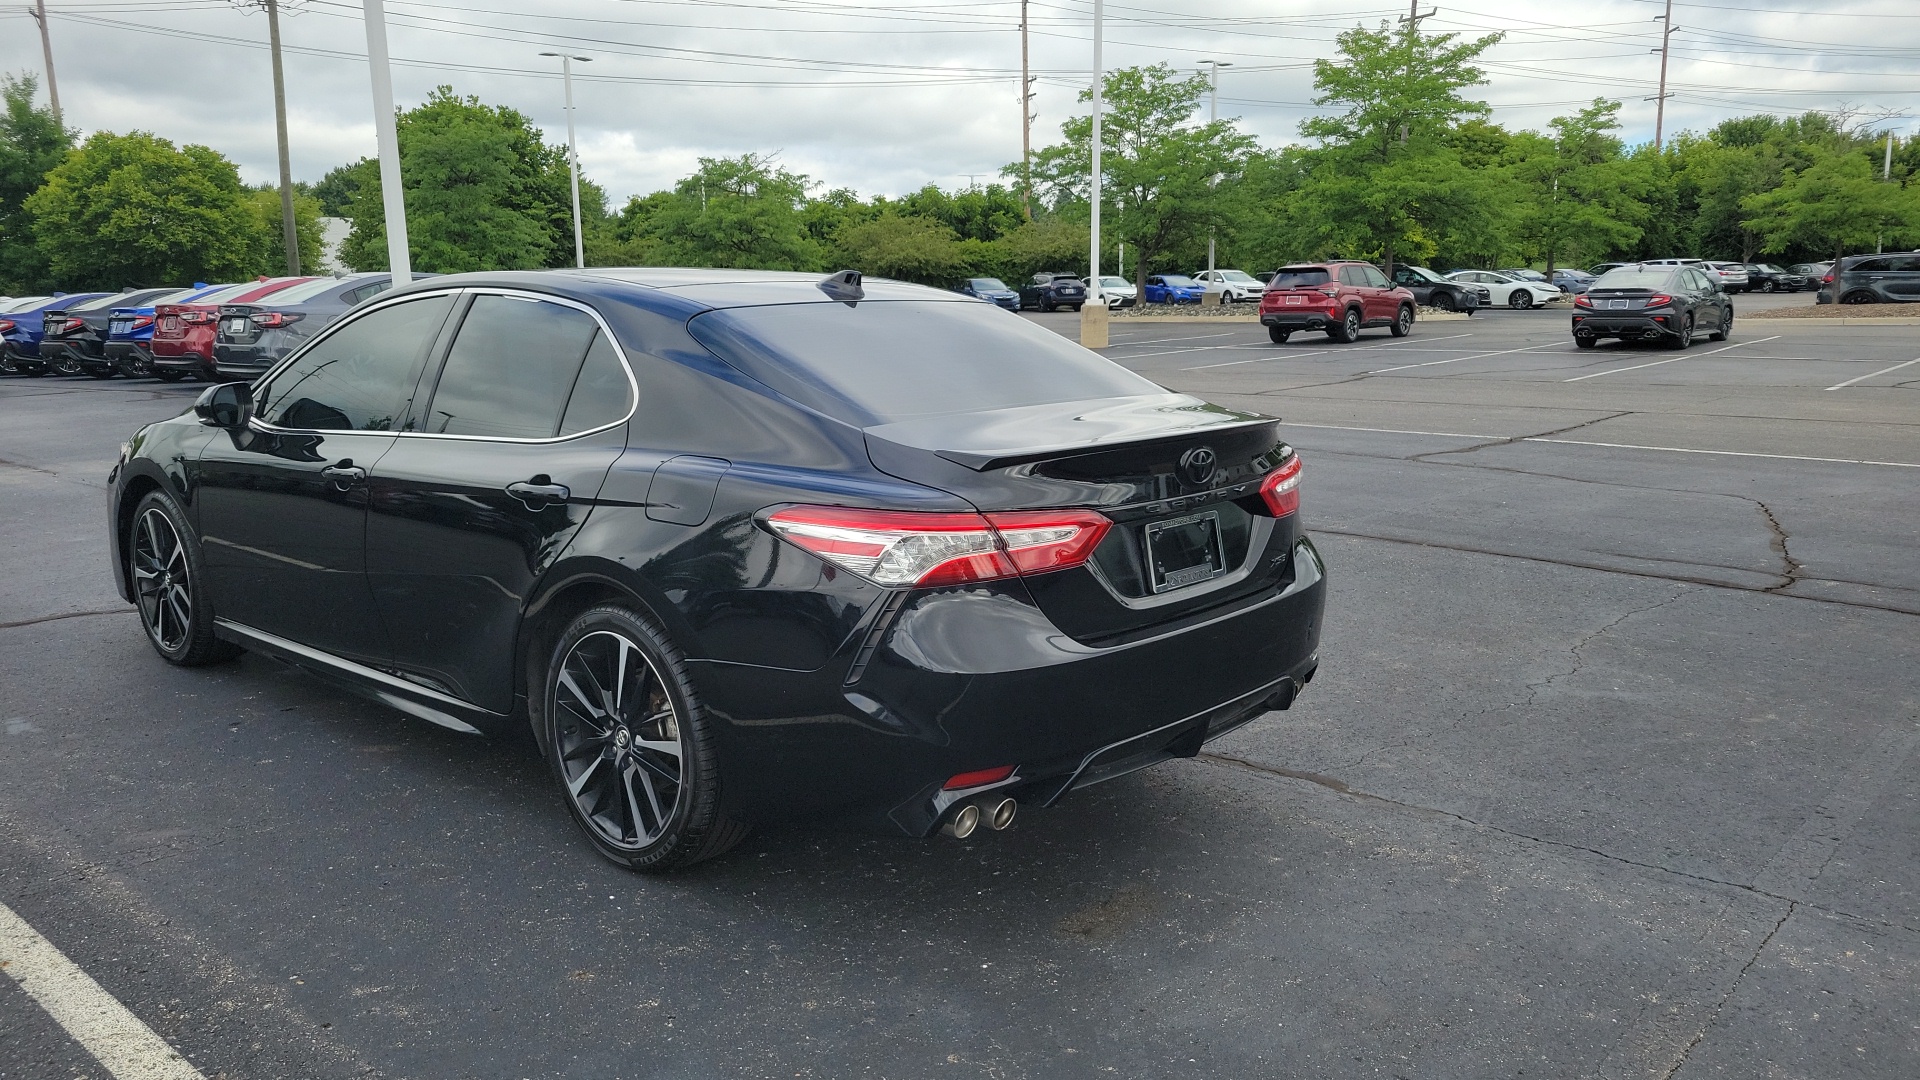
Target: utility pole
{"type": "Point", "coordinates": [573, 155]}
{"type": "Point", "coordinates": [1093, 312]}
{"type": "Point", "coordinates": [1660, 110]}
{"type": "Point", "coordinates": [39, 13]}
{"type": "Point", "coordinates": [289, 231]}
{"type": "Point", "coordinates": [1026, 121]}
{"type": "Point", "coordinates": [1411, 20]}
{"type": "Point", "coordinates": [392, 195]}
{"type": "Point", "coordinates": [1213, 116]}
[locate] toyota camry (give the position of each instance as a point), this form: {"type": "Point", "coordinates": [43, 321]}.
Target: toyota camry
{"type": "Point", "coordinates": [736, 546]}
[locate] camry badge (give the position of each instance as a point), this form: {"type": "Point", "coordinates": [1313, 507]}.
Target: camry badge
{"type": "Point", "coordinates": [1197, 465]}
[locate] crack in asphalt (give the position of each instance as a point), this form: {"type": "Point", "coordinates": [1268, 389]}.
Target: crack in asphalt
{"type": "Point", "coordinates": [1732, 988]}
{"type": "Point", "coordinates": [1509, 441]}
{"type": "Point", "coordinates": [37, 620]}
{"type": "Point", "coordinates": [1793, 567]}
{"type": "Point", "coordinates": [1534, 688]}
{"type": "Point", "coordinates": [29, 468]}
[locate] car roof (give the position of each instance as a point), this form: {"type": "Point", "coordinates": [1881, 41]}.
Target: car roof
{"type": "Point", "coordinates": [685, 291]}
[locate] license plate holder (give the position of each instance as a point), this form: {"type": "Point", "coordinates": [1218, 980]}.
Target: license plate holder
{"type": "Point", "coordinates": [1184, 551]}
{"type": "Point", "coordinates": [1615, 305]}
{"type": "Point", "coordinates": [237, 325]}
{"type": "Point", "coordinates": [1295, 301]}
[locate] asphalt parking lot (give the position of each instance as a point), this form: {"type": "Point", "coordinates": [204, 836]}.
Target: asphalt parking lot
{"type": "Point", "coordinates": [1608, 772]}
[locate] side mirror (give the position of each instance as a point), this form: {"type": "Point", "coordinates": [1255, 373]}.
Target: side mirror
{"type": "Point", "coordinates": [225, 406]}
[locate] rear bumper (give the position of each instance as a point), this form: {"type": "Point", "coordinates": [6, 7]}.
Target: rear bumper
{"type": "Point", "coordinates": [244, 361]}
{"type": "Point", "coordinates": [1625, 326]}
{"type": "Point", "coordinates": [972, 678]}
{"type": "Point", "coordinates": [179, 361]}
{"type": "Point", "coordinates": [1300, 318]}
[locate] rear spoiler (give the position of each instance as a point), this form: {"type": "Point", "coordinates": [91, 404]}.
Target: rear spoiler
{"type": "Point", "coordinates": [1018, 436]}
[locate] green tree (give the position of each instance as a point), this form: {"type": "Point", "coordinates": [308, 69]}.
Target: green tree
{"type": "Point", "coordinates": [1585, 197]}
{"type": "Point", "coordinates": [1837, 203]}
{"type": "Point", "coordinates": [973, 213]}
{"type": "Point", "coordinates": [265, 201]}
{"type": "Point", "coordinates": [897, 246]}
{"type": "Point", "coordinates": [337, 189]}
{"type": "Point", "coordinates": [32, 144]}
{"type": "Point", "coordinates": [744, 212]}
{"type": "Point", "coordinates": [134, 210]}
{"type": "Point", "coordinates": [483, 191]}
{"type": "Point", "coordinates": [1165, 179]}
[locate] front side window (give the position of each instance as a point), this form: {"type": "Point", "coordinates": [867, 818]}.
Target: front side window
{"type": "Point", "coordinates": [512, 369]}
{"type": "Point", "coordinates": [362, 376]}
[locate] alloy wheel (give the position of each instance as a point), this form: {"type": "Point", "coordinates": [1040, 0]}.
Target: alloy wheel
{"type": "Point", "coordinates": [67, 365]}
{"type": "Point", "coordinates": [1521, 299]}
{"type": "Point", "coordinates": [1353, 323]}
{"type": "Point", "coordinates": [162, 581]}
{"type": "Point", "coordinates": [618, 736]}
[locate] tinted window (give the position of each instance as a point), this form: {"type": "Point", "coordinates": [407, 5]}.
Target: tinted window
{"type": "Point", "coordinates": [601, 395]}
{"type": "Point", "coordinates": [1351, 275]}
{"type": "Point", "coordinates": [1374, 277]}
{"type": "Point", "coordinates": [1870, 266]}
{"type": "Point", "coordinates": [368, 292]}
{"type": "Point", "coordinates": [1298, 277]}
{"type": "Point", "coordinates": [988, 284]}
{"type": "Point", "coordinates": [362, 376]}
{"type": "Point", "coordinates": [882, 361]}
{"type": "Point", "coordinates": [511, 369]}
{"type": "Point", "coordinates": [1180, 281]}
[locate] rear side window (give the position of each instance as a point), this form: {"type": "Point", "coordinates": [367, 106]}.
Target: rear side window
{"type": "Point", "coordinates": [1298, 277]}
{"type": "Point", "coordinates": [878, 362]}
{"type": "Point", "coordinates": [511, 369]}
{"type": "Point", "coordinates": [1870, 266]}
{"type": "Point", "coordinates": [1372, 276]}
{"type": "Point", "coordinates": [362, 376]}
{"type": "Point", "coordinates": [601, 395]}
{"type": "Point", "coordinates": [1352, 275]}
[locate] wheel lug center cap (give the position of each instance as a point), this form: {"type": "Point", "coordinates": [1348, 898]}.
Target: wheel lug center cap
{"type": "Point", "coordinates": [621, 738]}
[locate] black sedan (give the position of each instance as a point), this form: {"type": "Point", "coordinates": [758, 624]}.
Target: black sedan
{"type": "Point", "coordinates": [1652, 303]}
{"type": "Point", "coordinates": [736, 546]}
{"type": "Point", "coordinates": [1766, 277]}
{"type": "Point", "coordinates": [1431, 290]}
{"type": "Point", "coordinates": [73, 340]}
{"type": "Point", "coordinates": [1048, 291]}
{"type": "Point", "coordinates": [250, 338]}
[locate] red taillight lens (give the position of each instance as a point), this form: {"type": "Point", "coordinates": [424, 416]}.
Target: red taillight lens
{"type": "Point", "coordinates": [1659, 301]}
{"type": "Point", "coordinates": [141, 321]}
{"type": "Point", "coordinates": [270, 320]}
{"type": "Point", "coordinates": [892, 547]}
{"type": "Point", "coordinates": [5, 325]}
{"type": "Point", "coordinates": [195, 317]}
{"type": "Point", "coordinates": [1582, 301]}
{"type": "Point", "coordinates": [1828, 280]}
{"type": "Point", "coordinates": [977, 778]}
{"type": "Point", "coordinates": [1281, 489]}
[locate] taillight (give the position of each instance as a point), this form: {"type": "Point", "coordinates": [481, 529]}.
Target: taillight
{"type": "Point", "coordinates": [1828, 280]}
{"type": "Point", "coordinates": [1330, 290]}
{"type": "Point", "coordinates": [270, 320]}
{"type": "Point", "coordinates": [5, 325]}
{"type": "Point", "coordinates": [894, 547]}
{"type": "Point", "coordinates": [1281, 489]}
{"type": "Point", "coordinates": [1659, 301]}
{"type": "Point", "coordinates": [195, 317]}
{"type": "Point", "coordinates": [1582, 301]}
{"type": "Point", "coordinates": [140, 321]}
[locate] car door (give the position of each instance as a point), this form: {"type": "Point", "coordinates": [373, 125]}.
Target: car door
{"type": "Point", "coordinates": [521, 422]}
{"type": "Point", "coordinates": [281, 504]}
{"type": "Point", "coordinates": [1903, 278]}
{"type": "Point", "coordinates": [1354, 284]}
{"type": "Point", "coordinates": [1421, 288]}
{"type": "Point", "coordinates": [1382, 303]}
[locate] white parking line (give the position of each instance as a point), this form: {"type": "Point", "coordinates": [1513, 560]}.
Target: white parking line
{"type": "Point", "coordinates": [116, 1038]}
{"type": "Point", "coordinates": [1164, 340]}
{"type": "Point", "coordinates": [1316, 352]}
{"type": "Point", "coordinates": [1875, 375]}
{"type": "Point", "coordinates": [1457, 359]}
{"type": "Point", "coordinates": [1671, 359]}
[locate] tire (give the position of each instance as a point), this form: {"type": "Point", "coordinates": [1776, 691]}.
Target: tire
{"type": "Point", "coordinates": [1278, 335]}
{"type": "Point", "coordinates": [65, 365]}
{"type": "Point", "coordinates": [613, 758]}
{"type": "Point", "coordinates": [1860, 297]}
{"type": "Point", "coordinates": [1684, 337]}
{"type": "Point", "coordinates": [1046, 306]}
{"type": "Point", "coordinates": [1349, 328]}
{"type": "Point", "coordinates": [7, 366]}
{"type": "Point", "coordinates": [1586, 342]}
{"type": "Point", "coordinates": [1403, 322]}
{"type": "Point", "coordinates": [1442, 302]}
{"type": "Point", "coordinates": [1520, 299]}
{"type": "Point", "coordinates": [164, 564]}
{"type": "Point", "coordinates": [1076, 309]}
{"type": "Point", "coordinates": [1767, 286]}
{"type": "Point", "coordinates": [168, 375]}
{"type": "Point", "coordinates": [1726, 326]}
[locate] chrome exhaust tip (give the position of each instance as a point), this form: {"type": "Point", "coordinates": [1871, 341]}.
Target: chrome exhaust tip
{"type": "Point", "coordinates": [963, 822]}
{"type": "Point", "coordinates": [1000, 812]}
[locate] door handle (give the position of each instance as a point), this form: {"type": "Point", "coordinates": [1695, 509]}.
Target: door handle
{"type": "Point", "coordinates": [538, 492]}
{"type": "Point", "coordinates": [344, 475]}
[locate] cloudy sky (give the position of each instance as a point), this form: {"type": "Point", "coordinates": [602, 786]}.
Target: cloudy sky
{"type": "Point", "coordinates": [885, 97]}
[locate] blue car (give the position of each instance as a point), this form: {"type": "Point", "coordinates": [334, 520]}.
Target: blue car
{"type": "Point", "coordinates": [1573, 281]}
{"type": "Point", "coordinates": [129, 329]}
{"type": "Point", "coordinates": [22, 326]}
{"type": "Point", "coordinates": [992, 290]}
{"type": "Point", "coordinates": [1173, 289]}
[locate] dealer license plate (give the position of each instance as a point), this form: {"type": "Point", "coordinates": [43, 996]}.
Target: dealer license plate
{"type": "Point", "coordinates": [237, 326]}
{"type": "Point", "coordinates": [1184, 551]}
{"type": "Point", "coordinates": [1296, 299]}
{"type": "Point", "coordinates": [1619, 303]}
{"type": "Point", "coordinates": [119, 326]}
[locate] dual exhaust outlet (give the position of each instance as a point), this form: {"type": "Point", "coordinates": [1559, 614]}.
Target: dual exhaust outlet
{"type": "Point", "coordinates": [993, 811]}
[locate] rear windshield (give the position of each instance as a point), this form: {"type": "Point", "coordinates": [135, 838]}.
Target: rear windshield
{"type": "Point", "coordinates": [1632, 278]}
{"type": "Point", "coordinates": [1298, 277]}
{"type": "Point", "coordinates": [879, 362]}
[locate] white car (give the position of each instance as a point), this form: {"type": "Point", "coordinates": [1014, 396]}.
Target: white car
{"type": "Point", "coordinates": [1118, 291]}
{"type": "Point", "coordinates": [1732, 276]}
{"type": "Point", "coordinates": [1234, 286]}
{"type": "Point", "coordinates": [1506, 291]}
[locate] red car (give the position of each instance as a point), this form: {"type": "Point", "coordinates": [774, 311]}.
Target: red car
{"type": "Point", "coordinates": [1341, 298]}
{"type": "Point", "coordinates": [183, 333]}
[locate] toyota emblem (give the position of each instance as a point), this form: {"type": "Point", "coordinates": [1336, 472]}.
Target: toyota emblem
{"type": "Point", "coordinates": [1198, 465]}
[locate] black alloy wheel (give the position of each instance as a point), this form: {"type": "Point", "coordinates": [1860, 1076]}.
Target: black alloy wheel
{"type": "Point", "coordinates": [65, 364]}
{"type": "Point", "coordinates": [1586, 342]}
{"type": "Point", "coordinates": [1683, 337]}
{"type": "Point", "coordinates": [164, 561]}
{"type": "Point", "coordinates": [1348, 329]}
{"type": "Point", "coordinates": [1725, 330]}
{"type": "Point", "coordinates": [629, 744]}
{"type": "Point", "coordinates": [1861, 296]}
{"type": "Point", "coordinates": [1442, 301]}
{"type": "Point", "coordinates": [1278, 335]}
{"type": "Point", "coordinates": [1403, 322]}
{"type": "Point", "coordinates": [1767, 286]}
{"type": "Point", "coordinates": [1520, 299]}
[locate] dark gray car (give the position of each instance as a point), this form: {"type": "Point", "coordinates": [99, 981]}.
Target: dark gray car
{"type": "Point", "coordinates": [1873, 279]}
{"type": "Point", "coordinates": [250, 338]}
{"type": "Point", "coordinates": [1653, 302]}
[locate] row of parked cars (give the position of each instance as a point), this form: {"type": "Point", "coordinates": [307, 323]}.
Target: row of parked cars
{"type": "Point", "coordinates": [211, 332]}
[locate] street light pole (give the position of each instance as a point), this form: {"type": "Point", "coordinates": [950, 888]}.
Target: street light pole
{"type": "Point", "coordinates": [573, 154]}
{"type": "Point", "coordinates": [386, 133]}
{"type": "Point", "coordinates": [39, 13]}
{"type": "Point", "coordinates": [1213, 116]}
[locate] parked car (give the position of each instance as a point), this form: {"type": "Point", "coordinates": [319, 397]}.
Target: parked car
{"type": "Point", "coordinates": [1434, 291]}
{"type": "Point", "coordinates": [1524, 274]}
{"type": "Point", "coordinates": [73, 339]}
{"type": "Point", "coordinates": [24, 327]}
{"type": "Point", "coordinates": [183, 334]}
{"type": "Point", "coordinates": [979, 564]}
{"type": "Point", "coordinates": [1572, 281]}
{"type": "Point", "coordinates": [1767, 277]}
{"type": "Point", "coordinates": [1118, 291]}
{"type": "Point", "coordinates": [249, 338]}
{"type": "Point", "coordinates": [128, 346]}
{"type": "Point", "coordinates": [1731, 275]}
{"type": "Point", "coordinates": [992, 290]}
{"type": "Point", "coordinates": [1892, 278]}
{"type": "Point", "coordinates": [1234, 286]}
{"type": "Point", "coordinates": [1600, 268]}
{"type": "Point", "coordinates": [1172, 289]}
{"type": "Point", "coordinates": [1512, 292]}
{"type": "Point", "coordinates": [22, 304]}
{"type": "Point", "coordinates": [1339, 297]}
{"type": "Point", "coordinates": [1813, 272]}
{"type": "Point", "coordinates": [1652, 303]}
{"type": "Point", "coordinates": [1049, 291]}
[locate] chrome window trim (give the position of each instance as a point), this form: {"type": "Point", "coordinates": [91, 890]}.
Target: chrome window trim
{"type": "Point", "coordinates": [633, 384]}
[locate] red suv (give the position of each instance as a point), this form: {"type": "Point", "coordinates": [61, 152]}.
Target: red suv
{"type": "Point", "coordinates": [183, 333]}
{"type": "Point", "coordinates": [1341, 298]}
